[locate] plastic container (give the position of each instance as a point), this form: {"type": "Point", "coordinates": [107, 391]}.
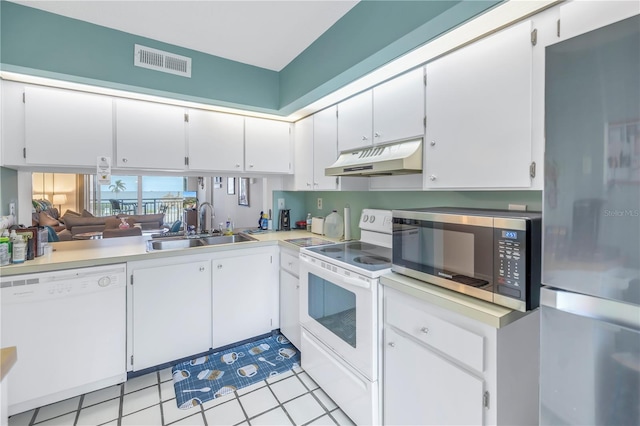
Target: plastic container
{"type": "Point", "coordinates": [309, 222]}
{"type": "Point", "coordinates": [19, 249]}
{"type": "Point", "coordinates": [333, 225]}
{"type": "Point", "coordinates": [5, 254]}
{"type": "Point", "coordinates": [264, 222]}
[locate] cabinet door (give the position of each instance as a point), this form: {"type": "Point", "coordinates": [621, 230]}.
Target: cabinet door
{"type": "Point", "coordinates": [244, 294]}
{"type": "Point", "coordinates": [171, 312]}
{"type": "Point", "coordinates": [303, 150]}
{"type": "Point", "coordinates": [355, 121]}
{"type": "Point", "coordinates": [215, 141]}
{"type": "Point", "coordinates": [67, 128]}
{"type": "Point", "coordinates": [149, 135]}
{"type": "Point", "coordinates": [398, 108]}
{"type": "Point", "coordinates": [479, 114]}
{"type": "Point", "coordinates": [289, 307]}
{"type": "Point", "coordinates": [580, 17]}
{"type": "Point", "coordinates": [267, 146]}
{"type": "Point", "coordinates": [325, 148]}
{"type": "Point", "coordinates": [421, 388]}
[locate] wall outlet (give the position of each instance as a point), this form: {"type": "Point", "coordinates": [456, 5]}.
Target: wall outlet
{"type": "Point", "coordinates": [12, 209]}
{"type": "Point", "coordinates": [319, 203]}
{"type": "Point", "coordinates": [280, 203]}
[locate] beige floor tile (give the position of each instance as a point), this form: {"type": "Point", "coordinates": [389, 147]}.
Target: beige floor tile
{"type": "Point", "coordinates": [57, 409]}
{"type": "Point", "coordinates": [99, 413]}
{"type": "Point", "coordinates": [141, 382]}
{"type": "Point", "coordinates": [101, 395]}
{"type": "Point", "coordinates": [325, 400]}
{"type": "Point", "coordinates": [229, 413]}
{"type": "Point", "coordinates": [276, 417]}
{"type": "Point", "coordinates": [66, 420]}
{"type": "Point", "coordinates": [304, 409]}
{"type": "Point", "coordinates": [148, 417]}
{"type": "Point", "coordinates": [288, 389]}
{"type": "Point", "coordinates": [138, 400]}
{"type": "Point", "coordinates": [322, 421]}
{"type": "Point", "coordinates": [195, 420]}
{"type": "Point", "coordinates": [172, 412]}
{"type": "Point", "coordinates": [258, 401]}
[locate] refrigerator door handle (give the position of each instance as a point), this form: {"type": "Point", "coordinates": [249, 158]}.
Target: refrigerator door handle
{"type": "Point", "coordinates": [613, 312]}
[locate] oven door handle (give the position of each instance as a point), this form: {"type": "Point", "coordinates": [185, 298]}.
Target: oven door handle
{"type": "Point", "coordinates": [356, 282]}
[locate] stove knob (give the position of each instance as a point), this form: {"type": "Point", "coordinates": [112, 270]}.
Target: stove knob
{"type": "Point", "coordinates": [372, 219]}
{"type": "Point", "coordinates": [365, 218]}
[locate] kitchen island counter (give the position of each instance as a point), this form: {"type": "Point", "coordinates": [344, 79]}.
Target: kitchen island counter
{"type": "Point", "coordinates": [75, 254]}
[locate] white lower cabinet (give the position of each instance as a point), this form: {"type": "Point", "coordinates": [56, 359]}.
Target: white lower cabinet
{"type": "Point", "coordinates": [442, 367]}
{"type": "Point", "coordinates": [289, 293]}
{"type": "Point", "coordinates": [428, 389]}
{"type": "Point", "coordinates": [171, 310]}
{"type": "Point", "coordinates": [245, 294]}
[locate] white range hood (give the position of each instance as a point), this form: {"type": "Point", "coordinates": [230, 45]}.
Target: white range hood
{"type": "Point", "coordinates": [399, 158]}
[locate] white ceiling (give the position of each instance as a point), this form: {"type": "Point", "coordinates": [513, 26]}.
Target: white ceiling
{"type": "Point", "coordinates": [264, 33]}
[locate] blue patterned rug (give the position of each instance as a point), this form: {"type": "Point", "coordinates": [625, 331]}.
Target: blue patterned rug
{"type": "Point", "coordinates": [212, 376]}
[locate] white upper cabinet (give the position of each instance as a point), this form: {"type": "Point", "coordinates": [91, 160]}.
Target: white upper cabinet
{"type": "Point", "coordinates": [478, 102]}
{"type": "Point", "coordinates": [303, 154]}
{"type": "Point", "coordinates": [355, 121]}
{"type": "Point", "coordinates": [398, 108]}
{"type": "Point", "coordinates": [67, 128]}
{"type": "Point", "coordinates": [215, 141]}
{"type": "Point", "coordinates": [325, 148]}
{"type": "Point", "coordinates": [149, 135]}
{"type": "Point", "coordinates": [578, 17]}
{"type": "Point", "coordinates": [267, 146]}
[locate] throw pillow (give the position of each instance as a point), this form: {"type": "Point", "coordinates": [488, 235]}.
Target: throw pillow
{"type": "Point", "coordinates": [45, 220]}
{"type": "Point", "coordinates": [86, 213]}
{"type": "Point", "coordinates": [71, 213]}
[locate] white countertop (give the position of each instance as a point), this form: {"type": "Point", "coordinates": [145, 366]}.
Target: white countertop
{"type": "Point", "coordinates": [82, 253]}
{"type": "Point", "coordinates": [489, 313]}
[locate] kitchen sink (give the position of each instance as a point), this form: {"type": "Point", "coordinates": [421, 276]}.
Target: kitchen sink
{"type": "Point", "coordinates": [226, 239]}
{"type": "Point", "coordinates": [176, 243]}
{"type": "Point", "coordinates": [173, 243]}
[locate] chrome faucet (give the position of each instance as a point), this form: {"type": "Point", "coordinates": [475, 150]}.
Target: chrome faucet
{"type": "Point", "coordinates": [202, 217]}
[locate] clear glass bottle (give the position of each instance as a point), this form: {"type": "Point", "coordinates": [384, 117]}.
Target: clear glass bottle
{"type": "Point", "coordinates": [309, 222]}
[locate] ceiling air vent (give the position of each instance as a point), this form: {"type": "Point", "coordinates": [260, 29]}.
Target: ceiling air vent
{"type": "Point", "coordinates": [158, 60]}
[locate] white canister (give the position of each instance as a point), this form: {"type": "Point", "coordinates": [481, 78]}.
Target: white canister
{"type": "Point", "coordinates": [19, 250]}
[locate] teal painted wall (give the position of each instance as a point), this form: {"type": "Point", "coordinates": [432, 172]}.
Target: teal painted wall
{"type": "Point", "coordinates": [370, 35]}
{"type": "Point", "coordinates": [373, 33]}
{"type": "Point", "coordinates": [50, 45]}
{"type": "Point", "coordinates": [400, 199]}
{"type": "Point", "coordinates": [8, 190]}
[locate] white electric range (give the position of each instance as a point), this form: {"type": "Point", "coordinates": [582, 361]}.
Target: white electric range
{"type": "Point", "coordinates": [339, 315]}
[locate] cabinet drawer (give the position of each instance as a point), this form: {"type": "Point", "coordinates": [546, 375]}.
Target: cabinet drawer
{"type": "Point", "coordinates": [290, 262]}
{"type": "Point", "coordinates": [456, 342]}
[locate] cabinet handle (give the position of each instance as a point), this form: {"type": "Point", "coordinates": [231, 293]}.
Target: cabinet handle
{"type": "Point", "coordinates": [250, 165]}
{"type": "Point", "coordinates": [433, 143]}
{"type": "Point", "coordinates": [315, 183]}
{"type": "Point", "coordinates": [237, 165]}
{"type": "Point", "coordinates": [202, 269]}
{"type": "Point", "coordinates": [376, 134]}
{"type": "Point", "coordinates": [298, 286]}
{"type": "Point", "coordinates": [425, 330]}
{"type": "Point", "coordinates": [392, 344]}
{"type": "Point", "coordinates": [124, 160]}
{"type": "Point", "coordinates": [219, 266]}
{"type": "Point", "coordinates": [308, 184]}
{"type": "Point", "coordinates": [364, 138]}
{"type": "Point", "coordinates": [290, 264]}
{"type": "Point", "coordinates": [432, 178]}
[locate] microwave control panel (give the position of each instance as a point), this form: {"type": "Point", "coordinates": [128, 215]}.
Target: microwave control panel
{"type": "Point", "coordinates": [510, 262]}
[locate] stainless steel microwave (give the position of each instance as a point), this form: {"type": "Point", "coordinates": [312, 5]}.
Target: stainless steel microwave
{"type": "Point", "coordinates": [492, 255]}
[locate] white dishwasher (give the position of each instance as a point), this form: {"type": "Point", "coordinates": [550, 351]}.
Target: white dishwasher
{"type": "Point", "coordinates": [70, 330]}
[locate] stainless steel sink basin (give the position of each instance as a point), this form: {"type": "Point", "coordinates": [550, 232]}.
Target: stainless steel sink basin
{"type": "Point", "coordinates": [226, 239]}
{"type": "Point", "coordinates": [173, 243]}
{"type": "Point", "coordinates": [176, 244]}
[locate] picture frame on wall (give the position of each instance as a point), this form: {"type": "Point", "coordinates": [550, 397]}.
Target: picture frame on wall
{"type": "Point", "coordinates": [243, 192]}
{"type": "Point", "coordinates": [231, 186]}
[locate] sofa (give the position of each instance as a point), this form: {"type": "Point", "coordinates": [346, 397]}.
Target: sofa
{"type": "Point", "coordinates": [79, 225]}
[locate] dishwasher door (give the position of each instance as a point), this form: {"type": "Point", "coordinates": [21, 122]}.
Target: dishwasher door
{"type": "Point", "coordinates": [69, 328]}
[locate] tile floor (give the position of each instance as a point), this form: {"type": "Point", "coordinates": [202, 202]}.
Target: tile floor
{"type": "Point", "coordinates": [291, 398]}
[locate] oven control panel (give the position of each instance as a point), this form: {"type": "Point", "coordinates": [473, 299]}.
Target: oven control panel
{"type": "Point", "coordinates": [376, 220]}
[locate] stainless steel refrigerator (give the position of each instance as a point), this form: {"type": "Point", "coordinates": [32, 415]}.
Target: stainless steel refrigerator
{"type": "Point", "coordinates": [590, 302]}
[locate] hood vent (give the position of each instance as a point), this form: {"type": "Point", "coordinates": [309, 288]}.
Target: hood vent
{"type": "Point", "coordinates": [398, 158]}
{"type": "Point", "coordinates": [158, 60]}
